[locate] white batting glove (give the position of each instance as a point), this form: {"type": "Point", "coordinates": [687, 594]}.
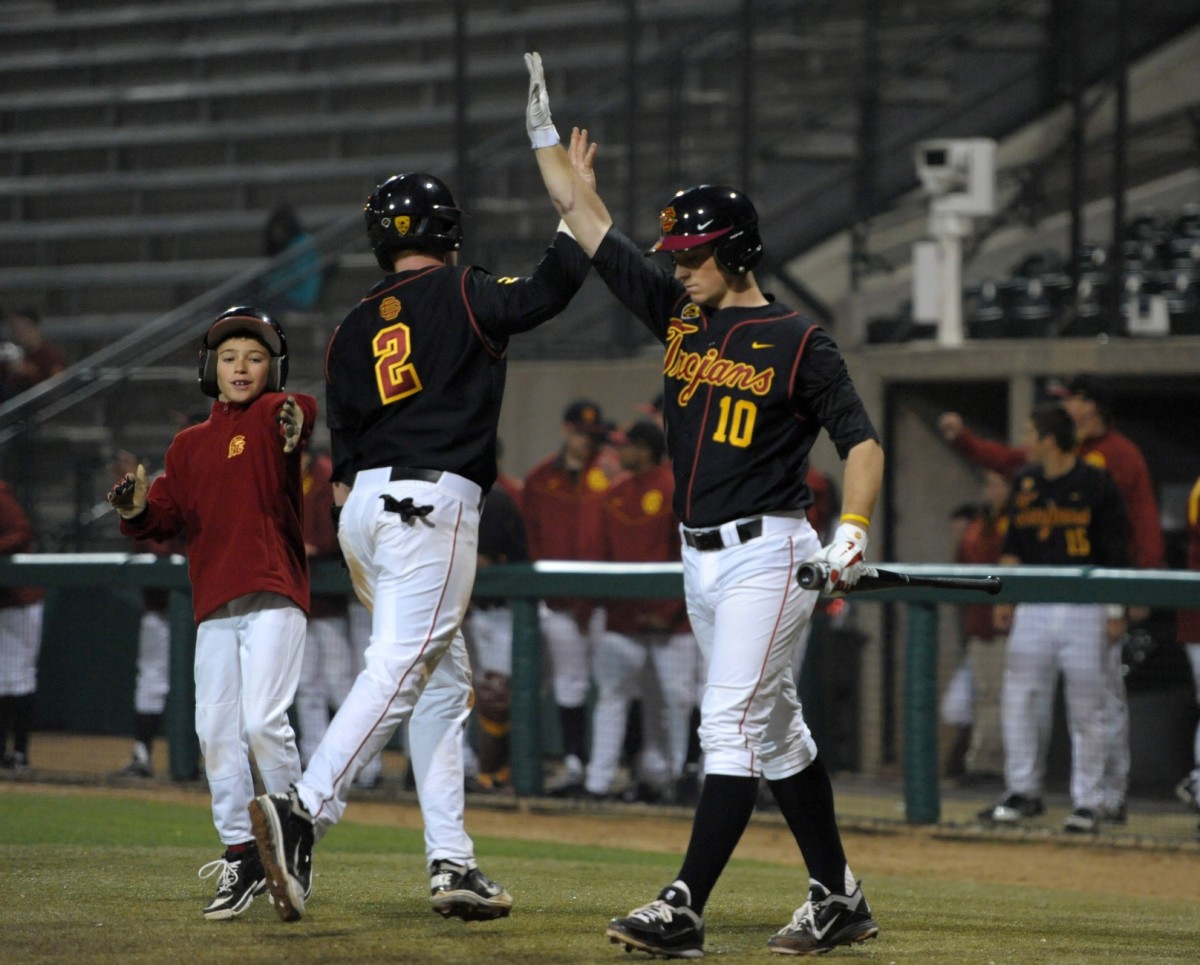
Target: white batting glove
{"type": "Point", "coordinates": [845, 556]}
{"type": "Point", "coordinates": [538, 124]}
{"type": "Point", "coordinates": [128, 497]}
{"type": "Point", "coordinates": [291, 419]}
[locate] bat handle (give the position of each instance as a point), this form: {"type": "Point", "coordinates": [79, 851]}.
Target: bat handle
{"type": "Point", "coordinates": [812, 576]}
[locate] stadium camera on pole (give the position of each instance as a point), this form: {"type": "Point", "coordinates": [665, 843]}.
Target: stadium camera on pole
{"type": "Point", "coordinates": [960, 177]}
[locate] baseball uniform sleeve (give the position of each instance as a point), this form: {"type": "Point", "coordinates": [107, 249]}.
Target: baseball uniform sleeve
{"type": "Point", "coordinates": [822, 387]}
{"type": "Point", "coordinates": [639, 283]}
{"type": "Point", "coordinates": [503, 306]}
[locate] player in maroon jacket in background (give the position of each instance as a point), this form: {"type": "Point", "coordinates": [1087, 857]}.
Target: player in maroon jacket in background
{"type": "Point", "coordinates": [232, 485]}
{"type": "Point", "coordinates": [560, 503]}
{"type": "Point", "coordinates": [647, 648]}
{"type": "Point", "coordinates": [20, 639]}
{"type": "Point", "coordinates": [1189, 635]}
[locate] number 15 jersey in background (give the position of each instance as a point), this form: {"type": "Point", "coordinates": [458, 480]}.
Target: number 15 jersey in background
{"type": "Point", "coordinates": [1077, 519]}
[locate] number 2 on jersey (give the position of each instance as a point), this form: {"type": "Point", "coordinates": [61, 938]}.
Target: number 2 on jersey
{"type": "Point", "coordinates": [395, 376]}
{"type": "Point", "coordinates": [736, 422]}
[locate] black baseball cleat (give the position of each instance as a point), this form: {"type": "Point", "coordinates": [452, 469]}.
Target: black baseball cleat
{"type": "Point", "coordinates": [1082, 821]}
{"type": "Point", "coordinates": [457, 891]}
{"type": "Point", "coordinates": [240, 878]}
{"type": "Point", "coordinates": [283, 829]}
{"type": "Point", "coordinates": [825, 921]}
{"type": "Point", "coordinates": [667, 926]}
{"type": "Point", "coordinates": [1012, 810]}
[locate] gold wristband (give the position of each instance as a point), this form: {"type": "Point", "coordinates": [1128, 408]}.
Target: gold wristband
{"type": "Point", "coordinates": [855, 518]}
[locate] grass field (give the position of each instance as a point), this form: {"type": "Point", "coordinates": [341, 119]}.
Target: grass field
{"type": "Point", "coordinates": [112, 877]}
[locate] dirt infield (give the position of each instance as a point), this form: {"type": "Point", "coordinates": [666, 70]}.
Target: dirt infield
{"type": "Point", "coordinates": [921, 852]}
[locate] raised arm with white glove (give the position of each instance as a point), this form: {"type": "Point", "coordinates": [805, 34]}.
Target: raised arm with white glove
{"type": "Point", "coordinates": [538, 123]}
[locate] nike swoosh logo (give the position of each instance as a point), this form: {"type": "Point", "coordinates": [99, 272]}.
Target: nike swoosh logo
{"type": "Point", "coordinates": [762, 345]}
{"type": "Point", "coordinates": [701, 227]}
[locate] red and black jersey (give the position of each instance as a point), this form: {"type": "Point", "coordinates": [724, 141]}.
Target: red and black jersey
{"type": "Point", "coordinates": [415, 373]}
{"type": "Point", "coordinates": [746, 392]}
{"type": "Point", "coordinates": [1076, 519]}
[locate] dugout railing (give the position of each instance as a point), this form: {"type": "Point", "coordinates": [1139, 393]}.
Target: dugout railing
{"type": "Point", "coordinates": [524, 585]}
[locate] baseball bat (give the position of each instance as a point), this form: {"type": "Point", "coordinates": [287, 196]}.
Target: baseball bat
{"type": "Point", "coordinates": [812, 576]}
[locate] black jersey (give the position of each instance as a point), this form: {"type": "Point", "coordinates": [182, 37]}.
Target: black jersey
{"type": "Point", "coordinates": [746, 391]}
{"type": "Point", "coordinates": [1077, 519]}
{"type": "Point", "coordinates": [415, 373]}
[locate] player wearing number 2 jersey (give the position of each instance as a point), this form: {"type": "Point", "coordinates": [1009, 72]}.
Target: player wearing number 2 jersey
{"type": "Point", "coordinates": [414, 377]}
{"type": "Point", "coordinates": [748, 385]}
{"type": "Point", "coordinates": [1062, 512]}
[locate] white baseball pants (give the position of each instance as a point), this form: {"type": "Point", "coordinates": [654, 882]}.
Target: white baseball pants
{"type": "Point", "coordinates": [153, 663]}
{"type": "Point", "coordinates": [1046, 639]}
{"type": "Point", "coordinates": [20, 644]}
{"type": "Point", "coordinates": [748, 614]}
{"type": "Point", "coordinates": [661, 669]}
{"type": "Point", "coordinates": [248, 656]}
{"type": "Point", "coordinates": [416, 577]}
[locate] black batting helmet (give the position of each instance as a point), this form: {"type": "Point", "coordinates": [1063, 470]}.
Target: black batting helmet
{"type": "Point", "coordinates": [251, 323]}
{"type": "Point", "coordinates": [412, 211]}
{"type": "Point", "coordinates": [717, 214]}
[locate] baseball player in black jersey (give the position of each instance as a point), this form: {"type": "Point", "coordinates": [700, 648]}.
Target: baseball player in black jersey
{"type": "Point", "coordinates": [1062, 512]}
{"type": "Point", "coordinates": [748, 385]}
{"type": "Point", "coordinates": [414, 377]}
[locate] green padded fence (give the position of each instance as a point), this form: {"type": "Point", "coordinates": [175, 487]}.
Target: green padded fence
{"type": "Point", "coordinates": [525, 584]}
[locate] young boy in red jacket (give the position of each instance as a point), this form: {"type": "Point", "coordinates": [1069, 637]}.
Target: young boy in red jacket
{"type": "Point", "coordinates": [232, 485]}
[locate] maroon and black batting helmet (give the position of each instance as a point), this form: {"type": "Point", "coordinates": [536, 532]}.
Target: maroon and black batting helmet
{"type": "Point", "coordinates": [251, 323]}
{"type": "Point", "coordinates": [713, 213]}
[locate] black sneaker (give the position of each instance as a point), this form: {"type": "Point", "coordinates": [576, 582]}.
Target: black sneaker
{"type": "Point", "coordinates": [1082, 821]}
{"type": "Point", "coordinates": [467, 893]}
{"type": "Point", "coordinates": [240, 878]}
{"type": "Point", "coordinates": [825, 921]}
{"type": "Point", "coordinates": [1013, 809]}
{"type": "Point", "coordinates": [666, 926]}
{"type": "Point", "coordinates": [284, 832]}
{"type": "Point", "coordinates": [17, 762]}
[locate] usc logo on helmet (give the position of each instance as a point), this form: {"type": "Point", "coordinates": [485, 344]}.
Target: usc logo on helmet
{"type": "Point", "coordinates": [667, 220]}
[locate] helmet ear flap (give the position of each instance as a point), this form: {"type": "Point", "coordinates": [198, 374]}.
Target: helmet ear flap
{"type": "Point", "coordinates": [208, 371]}
{"type": "Point", "coordinates": [739, 251]}
{"type": "Point", "coordinates": [277, 373]}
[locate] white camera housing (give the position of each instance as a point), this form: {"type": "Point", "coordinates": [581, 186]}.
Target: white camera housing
{"type": "Point", "coordinates": [960, 174]}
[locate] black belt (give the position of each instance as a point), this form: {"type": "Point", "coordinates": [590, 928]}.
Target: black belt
{"type": "Point", "coordinates": [711, 539]}
{"type": "Point", "coordinates": [404, 472]}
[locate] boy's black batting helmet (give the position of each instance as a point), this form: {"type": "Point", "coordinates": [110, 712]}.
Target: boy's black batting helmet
{"type": "Point", "coordinates": [250, 322]}
{"type": "Point", "coordinates": [412, 211]}
{"type": "Point", "coordinates": [713, 213]}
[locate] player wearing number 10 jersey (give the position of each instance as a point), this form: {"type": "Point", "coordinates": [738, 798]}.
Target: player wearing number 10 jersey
{"type": "Point", "coordinates": [748, 384]}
